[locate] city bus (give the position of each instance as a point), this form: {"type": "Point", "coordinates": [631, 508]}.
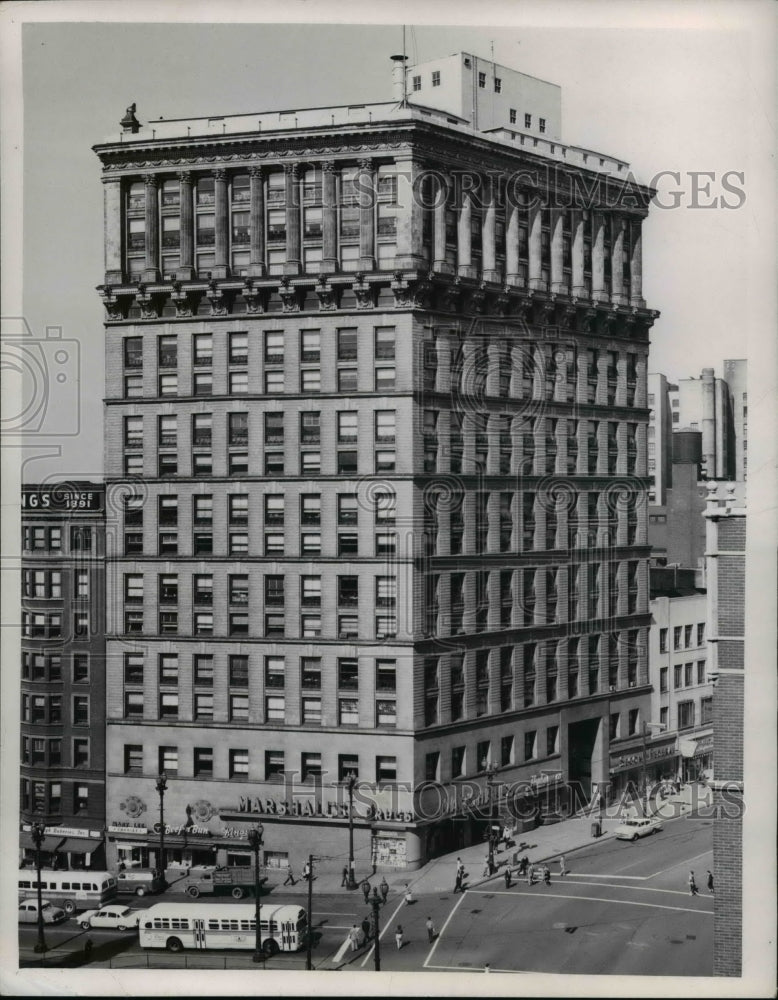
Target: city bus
{"type": "Point", "coordinates": [176, 926]}
{"type": "Point", "coordinates": [77, 890]}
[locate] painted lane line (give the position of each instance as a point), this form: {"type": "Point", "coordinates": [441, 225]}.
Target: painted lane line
{"type": "Point", "coordinates": [443, 929]}
{"type": "Point", "coordinates": [386, 928]}
{"type": "Point", "coordinates": [475, 968]}
{"type": "Point", "coordinates": [636, 878]}
{"type": "Point", "coordinates": [592, 899]}
{"type": "Point", "coordinates": [636, 888]}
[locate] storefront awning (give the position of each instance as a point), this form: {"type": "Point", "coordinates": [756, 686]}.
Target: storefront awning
{"type": "Point", "coordinates": [77, 845]}
{"type": "Point", "coordinates": [696, 747]}
{"type": "Point", "coordinates": [48, 844]}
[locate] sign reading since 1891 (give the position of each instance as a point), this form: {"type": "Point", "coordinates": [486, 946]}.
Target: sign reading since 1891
{"type": "Point", "coordinates": [62, 499]}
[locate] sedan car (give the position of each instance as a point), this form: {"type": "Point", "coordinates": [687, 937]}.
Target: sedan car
{"type": "Point", "coordinates": [118, 918]}
{"type": "Point", "coordinates": [631, 829]}
{"type": "Point", "coordinates": [28, 912]}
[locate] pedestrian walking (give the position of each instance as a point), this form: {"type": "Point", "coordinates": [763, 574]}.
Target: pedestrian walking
{"type": "Point", "coordinates": [487, 867]}
{"type": "Point", "coordinates": [530, 875]}
{"type": "Point", "coordinates": [710, 881]}
{"type": "Point", "coordinates": [430, 930]}
{"type": "Point", "coordinates": [507, 878]}
{"type": "Point", "coordinates": [290, 879]}
{"type": "Point", "coordinates": [88, 945]}
{"type": "Point", "coordinates": [398, 937]}
{"type": "Point", "coordinates": [366, 926]}
{"type": "Point", "coordinates": [384, 889]}
{"type": "Point", "coordinates": [366, 890]}
{"type": "Point", "coordinates": [458, 883]}
{"type": "Point", "coordinates": [344, 877]}
{"type": "Point", "coordinates": [546, 875]}
{"type": "Point", "coordinates": [306, 871]}
{"type": "Point", "coordinates": [409, 895]}
{"type": "Point", "coordinates": [376, 897]}
{"type": "Point", "coordinates": [693, 890]}
{"type": "Point", "coordinates": [562, 867]}
{"type": "Point", "coordinates": [353, 937]}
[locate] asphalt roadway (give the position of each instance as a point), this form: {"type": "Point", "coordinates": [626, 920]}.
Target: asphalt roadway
{"type": "Point", "coordinates": [623, 908]}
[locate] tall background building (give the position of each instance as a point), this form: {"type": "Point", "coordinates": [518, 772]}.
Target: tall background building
{"type": "Point", "coordinates": [63, 671]}
{"type": "Point", "coordinates": [735, 375]}
{"type": "Point", "coordinates": [376, 397]}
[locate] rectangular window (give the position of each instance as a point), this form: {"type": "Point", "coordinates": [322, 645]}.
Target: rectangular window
{"type": "Point", "coordinates": [527, 121]}
{"type": "Point", "coordinates": [275, 708]}
{"type": "Point", "coordinates": [311, 710]}
{"type": "Point", "coordinates": [530, 739]}
{"type": "Point", "coordinates": [436, 78]}
{"type": "Point", "coordinates": [239, 708]}
{"type": "Point", "coordinates": [274, 671]}
{"type": "Point", "coordinates": [310, 380]}
{"type": "Point", "coordinates": [239, 764]}
{"type": "Point", "coordinates": [457, 762]}
{"type": "Point", "coordinates": [274, 765]}
{"type": "Point", "coordinates": [133, 758]}
{"type": "Point", "coordinates": [310, 766]}
{"type": "Point", "coordinates": [203, 762]}
{"type": "Point", "coordinates": [168, 669]}
{"type": "Point", "coordinates": [203, 670]}
{"type": "Point", "coordinates": [168, 705]}
{"type": "Point", "coordinates": [385, 769]}
{"type": "Point", "coordinates": [348, 675]}
{"type": "Point", "coordinates": [168, 760]}
{"type": "Point", "coordinates": [203, 707]}
{"type": "Point", "coordinates": [685, 714]}
{"type": "Point", "coordinates": [662, 640]}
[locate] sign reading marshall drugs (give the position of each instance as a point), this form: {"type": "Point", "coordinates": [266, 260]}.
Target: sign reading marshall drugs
{"type": "Point", "coordinates": [626, 761]}
{"type": "Point", "coordinates": [314, 808]}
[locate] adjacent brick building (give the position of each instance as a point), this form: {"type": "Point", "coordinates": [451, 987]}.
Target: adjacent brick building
{"type": "Point", "coordinates": [63, 671]}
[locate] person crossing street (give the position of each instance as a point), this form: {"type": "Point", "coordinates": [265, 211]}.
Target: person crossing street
{"type": "Point", "coordinates": [366, 890]}
{"type": "Point", "coordinates": [710, 881]}
{"type": "Point", "coordinates": [384, 889]}
{"type": "Point", "coordinates": [430, 930]}
{"type": "Point", "coordinates": [693, 890]}
{"type": "Point", "coordinates": [290, 879]}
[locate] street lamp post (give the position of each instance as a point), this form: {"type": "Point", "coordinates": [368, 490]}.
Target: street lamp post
{"type": "Point", "coordinates": [351, 780]}
{"type": "Point", "coordinates": [38, 831]}
{"type": "Point", "coordinates": [644, 769]}
{"type": "Point", "coordinates": [161, 789]}
{"type": "Point", "coordinates": [490, 769]}
{"type": "Point", "coordinates": [255, 843]}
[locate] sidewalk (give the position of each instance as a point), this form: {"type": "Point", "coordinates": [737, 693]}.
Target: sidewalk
{"type": "Point", "coordinates": [544, 844]}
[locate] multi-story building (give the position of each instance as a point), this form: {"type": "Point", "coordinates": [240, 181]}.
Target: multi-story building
{"type": "Point", "coordinates": [660, 438]}
{"type": "Point", "coordinates": [63, 671]}
{"type": "Point", "coordinates": [703, 404]}
{"type": "Point", "coordinates": [376, 392]}
{"type": "Point", "coordinates": [735, 375]}
{"type": "Point", "coordinates": [682, 694]}
{"type": "Point", "coordinates": [726, 558]}
{"type": "Point", "coordinates": [676, 527]}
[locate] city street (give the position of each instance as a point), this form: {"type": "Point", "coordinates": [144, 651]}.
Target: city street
{"type": "Point", "coordinates": [622, 908]}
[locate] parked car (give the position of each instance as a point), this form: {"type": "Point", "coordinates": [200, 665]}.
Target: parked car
{"type": "Point", "coordinates": [115, 918]}
{"type": "Point", "coordinates": [631, 829]}
{"type": "Point", "coordinates": [139, 881]}
{"type": "Point", "coordinates": [28, 912]}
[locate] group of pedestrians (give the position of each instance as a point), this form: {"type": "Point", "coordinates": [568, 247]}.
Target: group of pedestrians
{"type": "Point", "coordinates": [693, 890]}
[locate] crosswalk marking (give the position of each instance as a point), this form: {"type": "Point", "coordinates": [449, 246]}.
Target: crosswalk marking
{"type": "Point", "coordinates": [591, 899]}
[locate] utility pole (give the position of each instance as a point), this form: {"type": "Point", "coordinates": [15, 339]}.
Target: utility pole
{"type": "Point", "coordinates": [309, 935]}
{"type": "Point", "coordinates": [161, 789]}
{"type": "Point", "coordinates": [38, 831]}
{"type": "Point", "coordinates": [351, 780]}
{"type": "Point", "coordinates": [376, 904]}
{"type": "Point", "coordinates": [255, 843]}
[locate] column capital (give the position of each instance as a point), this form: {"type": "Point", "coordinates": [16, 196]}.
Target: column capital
{"type": "Point", "coordinates": [151, 180]}
{"type": "Point", "coordinates": [220, 174]}
{"type": "Point", "coordinates": [256, 171]}
{"type": "Point", "coordinates": [292, 169]}
{"type": "Point", "coordinates": [328, 166]}
{"type": "Point", "coordinates": [184, 176]}
{"type": "Point", "coordinates": [366, 163]}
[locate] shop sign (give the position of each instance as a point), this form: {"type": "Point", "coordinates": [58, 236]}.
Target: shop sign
{"type": "Point", "coordinates": [182, 828]}
{"type": "Point", "coordinates": [60, 499]}
{"type": "Point", "coordinates": [66, 831]}
{"type": "Point", "coordinates": [546, 778]}
{"type": "Point", "coordinates": [626, 761]}
{"type": "Point", "coordinates": [127, 828]}
{"type": "Point", "coordinates": [235, 833]}
{"type": "Point", "coordinates": [315, 809]}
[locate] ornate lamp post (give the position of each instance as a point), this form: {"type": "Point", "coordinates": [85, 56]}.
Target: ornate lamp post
{"type": "Point", "coordinates": [38, 831]}
{"type": "Point", "coordinates": [351, 780]}
{"type": "Point", "coordinates": [161, 789]}
{"type": "Point", "coordinates": [490, 770]}
{"type": "Point", "coordinates": [255, 843]}
{"type": "Point", "coordinates": [375, 902]}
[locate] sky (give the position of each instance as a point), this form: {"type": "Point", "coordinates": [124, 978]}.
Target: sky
{"type": "Point", "coordinates": [672, 95]}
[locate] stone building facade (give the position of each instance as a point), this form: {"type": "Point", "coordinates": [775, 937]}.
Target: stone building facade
{"type": "Point", "coordinates": [376, 397]}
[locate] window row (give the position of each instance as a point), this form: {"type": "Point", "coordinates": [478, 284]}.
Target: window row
{"type": "Point", "coordinates": [48, 667]}
{"type": "Point", "coordinates": [42, 538]}
{"type": "Point", "coordinates": [684, 675]}
{"type": "Point", "coordinates": [45, 798]}
{"type": "Point", "coordinates": [273, 383]}
{"type": "Point", "coordinates": [684, 637]}
{"type": "Point", "coordinates": [47, 584]}
{"type": "Point", "coordinates": [274, 345]}
{"type": "Point", "coordinates": [46, 709]}
{"type": "Point", "coordinates": [49, 625]}
{"type": "Point", "coordinates": [270, 765]}
{"type": "Point", "coordinates": [37, 752]}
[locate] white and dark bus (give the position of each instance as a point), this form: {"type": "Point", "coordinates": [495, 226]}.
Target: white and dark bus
{"type": "Point", "coordinates": [76, 890]}
{"type": "Point", "coordinates": [177, 926]}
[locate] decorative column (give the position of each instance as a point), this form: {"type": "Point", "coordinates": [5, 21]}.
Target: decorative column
{"type": "Point", "coordinates": [636, 266]}
{"type": "Point", "coordinates": [557, 251]}
{"type": "Point", "coordinates": [440, 263]}
{"type": "Point", "coordinates": [617, 263]}
{"type": "Point", "coordinates": [464, 252]}
{"type": "Point", "coordinates": [112, 231]}
{"type": "Point", "coordinates": [535, 248]}
{"type": "Point", "coordinates": [598, 259]}
{"type": "Point", "coordinates": [366, 182]}
{"type": "Point", "coordinates": [292, 200]}
{"type": "Point", "coordinates": [488, 260]}
{"type": "Point", "coordinates": [151, 270]}
{"type": "Point", "coordinates": [329, 263]}
{"type": "Point", "coordinates": [410, 216]}
{"type": "Point", "coordinates": [256, 222]}
{"type": "Point", "coordinates": [512, 275]}
{"type": "Point", "coordinates": [221, 223]}
{"type": "Point", "coordinates": [578, 290]}
{"type": "Point", "coordinates": [185, 272]}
